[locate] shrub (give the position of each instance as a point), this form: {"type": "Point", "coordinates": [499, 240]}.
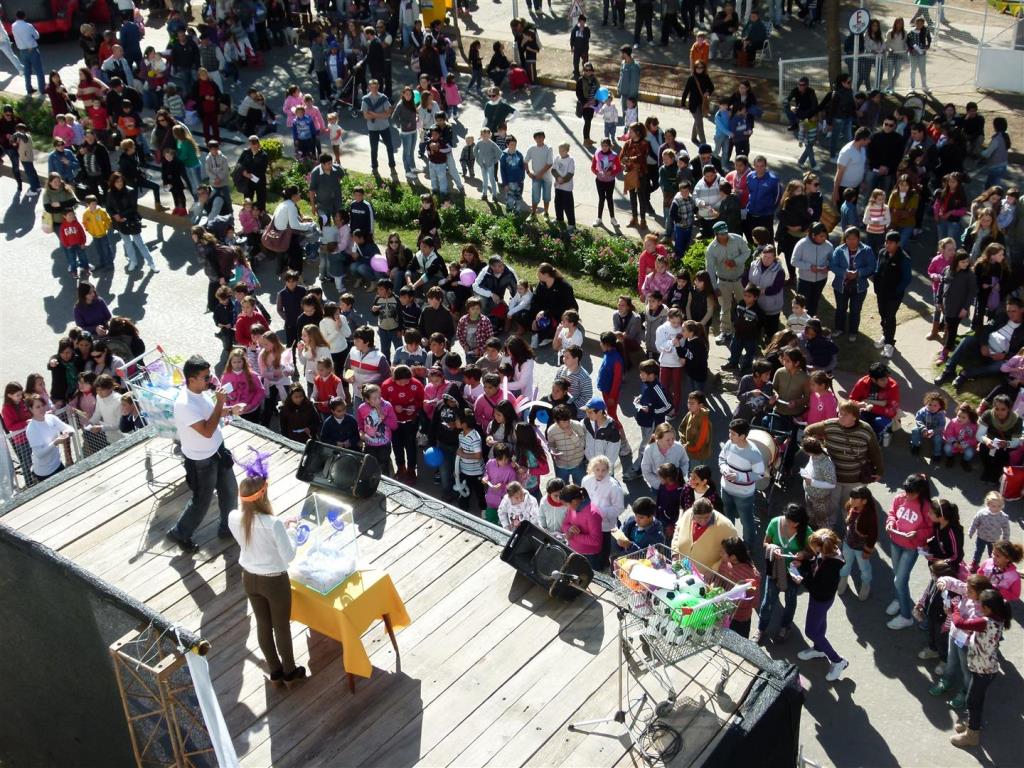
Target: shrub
{"type": "Point", "coordinates": [693, 259]}
{"type": "Point", "coordinates": [274, 149]}
{"type": "Point", "coordinates": [36, 115]}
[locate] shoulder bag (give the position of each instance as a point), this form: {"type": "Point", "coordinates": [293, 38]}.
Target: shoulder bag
{"type": "Point", "coordinates": [276, 240]}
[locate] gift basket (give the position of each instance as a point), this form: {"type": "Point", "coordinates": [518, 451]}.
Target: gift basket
{"type": "Point", "coordinates": [328, 545]}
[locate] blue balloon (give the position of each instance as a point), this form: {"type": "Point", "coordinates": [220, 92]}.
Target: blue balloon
{"type": "Point", "coordinates": [543, 322]}
{"type": "Point", "coordinates": [433, 457]}
{"type": "Point", "coordinates": [302, 532]}
{"type": "Point", "coordinates": [602, 94]}
{"type": "Point", "coordinates": [543, 415]}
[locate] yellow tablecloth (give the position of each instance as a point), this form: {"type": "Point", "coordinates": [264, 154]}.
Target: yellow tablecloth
{"type": "Point", "coordinates": [347, 612]}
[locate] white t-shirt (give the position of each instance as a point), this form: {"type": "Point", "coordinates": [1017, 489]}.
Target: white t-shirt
{"type": "Point", "coordinates": [538, 157]}
{"type": "Point", "coordinates": [999, 339]}
{"type": "Point", "coordinates": [471, 443]}
{"type": "Point", "coordinates": [569, 339]}
{"type": "Point", "coordinates": [189, 409]}
{"type": "Point", "coordinates": [563, 166]}
{"type": "Point", "coordinates": [41, 434]}
{"type": "Point", "coordinates": [270, 548]}
{"type": "Point", "coordinates": [854, 159]}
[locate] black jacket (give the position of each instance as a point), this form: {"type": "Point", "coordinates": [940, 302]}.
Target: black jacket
{"type": "Point", "coordinates": [821, 577]}
{"type": "Point", "coordinates": [553, 301]}
{"type": "Point", "coordinates": [696, 85]}
{"type": "Point", "coordinates": [124, 202]}
{"type": "Point", "coordinates": [102, 162]}
{"type": "Point", "coordinates": [885, 149]}
{"type": "Point", "coordinates": [114, 100]}
{"type": "Point", "coordinates": [805, 103]}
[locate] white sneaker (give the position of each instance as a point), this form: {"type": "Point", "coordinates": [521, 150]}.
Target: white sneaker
{"type": "Point", "coordinates": [810, 653]}
{"type": "Point", "coordinates": [879, 343]}
{"type": "Point", "coordinates": [613, 222]}
{"type": "Point", "coordinates": [863, 592]}
{"type": "Point", "coordinates": [844, 582]}
{"type": "Point", "coordinates": [546, 343]}
{"type": "Point", "coordinates": [597, 223]}
{"type": "Point", "coordinates": [888, 351]}
{"type": "Point", "coordinates": [898, 622]}
{"type": "Point", "coordinates": [893, 608]}
{"type": "Point", "coordinates": [836, 671]}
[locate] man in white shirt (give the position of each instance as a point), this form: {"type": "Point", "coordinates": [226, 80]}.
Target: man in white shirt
{"type": "Point", "coordinates": [539, 159]}
{"type": "Point", "coordinates": [851, 165]}
{"type": "Point", "coordinates": [26, 37]}
{"type": "Point", "coordinates": [984, 353]}
{"type": "Point", "coordinates": [208, 464]}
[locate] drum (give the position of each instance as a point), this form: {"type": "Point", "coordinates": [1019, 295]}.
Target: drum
{"type": "Point", "coordinates": [764, 443]}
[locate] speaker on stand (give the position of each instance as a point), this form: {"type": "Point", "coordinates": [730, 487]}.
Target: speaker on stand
{"type": "Point", "coordinates": [339, 469]}
{"type": "Point", "coordinates": [547, 562]}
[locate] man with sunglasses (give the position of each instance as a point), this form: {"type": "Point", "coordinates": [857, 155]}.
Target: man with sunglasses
{"type": "Point", "coordinates": [208, 463]}
{"type": "Point", "coordinates": [885, 150]}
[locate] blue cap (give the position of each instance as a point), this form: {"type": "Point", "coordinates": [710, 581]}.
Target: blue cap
{"type": "Point", "coordinates": [595, 404]}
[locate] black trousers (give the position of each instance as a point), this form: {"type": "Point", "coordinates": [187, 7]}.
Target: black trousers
{"type": "Point", "coordinates": [588, 118]}
{"type": "Point", "coordinates": [564, 205]}
{"type": "Point", "coordinates": [670, 23]}
{"type": "Point", "coordinates": [644, 19]}
{"type": "Point", "coordinates": [271, 601]}
{"type": "Point", "coordinates": [404, 442]}
{"type": "Point", "coordinates": [605, 190]}
{"type": "Point", "coordinates": [976, 691]}
{"type": "Point", "coordinates": [888, 306]}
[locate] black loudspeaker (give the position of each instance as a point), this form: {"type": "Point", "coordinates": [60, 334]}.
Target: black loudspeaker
{"type": "Point", "coordinates": [547, 562]}
{"type": "Point", "coordinates": [339, 469]}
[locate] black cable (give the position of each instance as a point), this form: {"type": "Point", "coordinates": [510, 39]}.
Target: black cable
{"type": "Point", "coordinates": [659, 743]}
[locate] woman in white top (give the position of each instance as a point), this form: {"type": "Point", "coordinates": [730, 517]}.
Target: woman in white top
{"type": "Point", "coordinates": [521, 357]}
{"type": "Point", "coordinates": [267, 547]}
{"type": "Point", "coordinates": [286, 216]}
{"type": "Point", "coordinates": [312, 348]}
{"type": "Point", "coordinates": [569, 333]}
{"type": "Point", "coordinates": [106, 418]}
{"type": "Point", "coordinates": [45, 433]}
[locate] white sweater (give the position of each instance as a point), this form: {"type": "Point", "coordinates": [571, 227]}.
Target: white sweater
{"type": "Point", "coordinates": [510, 515]}
{"type": "Point", "coordinates": [745, 464]}
{"type": "Point", "coordinates": [108, 416]}
{"type": "Point", "coordinates": [607, 497]}
{"type": "Point", "coordinates": [665, 341]}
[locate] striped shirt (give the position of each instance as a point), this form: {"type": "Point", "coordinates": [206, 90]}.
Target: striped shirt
{"type": "Point", "coordinates": [567, 447]}
{"type": "Point", "coordinates": [581, 390]}
{"type": "Point", "coordinates": [850, 448]}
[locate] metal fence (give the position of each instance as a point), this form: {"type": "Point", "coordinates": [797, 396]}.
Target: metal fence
{"type": "Point", "coordinates": [86, 439]}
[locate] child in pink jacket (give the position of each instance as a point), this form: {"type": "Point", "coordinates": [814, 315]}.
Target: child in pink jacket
{"type": "Point", "coordinates": [377, 421]}
{"type": "Point", "coordinates": [960, 437]}
{"type": "Point", "coordinates": [938, 264]}
{"type": "Point", "coordinates": [582, 526]}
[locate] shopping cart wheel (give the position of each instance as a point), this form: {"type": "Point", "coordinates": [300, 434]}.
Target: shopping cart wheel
{"type": "Point", "coordinates": [664, 708]}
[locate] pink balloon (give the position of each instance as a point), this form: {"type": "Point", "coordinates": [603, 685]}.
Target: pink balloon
{"type": "Point", "coordinates": [467, 277]}
{"type": "Point", "coordinates": [379, 263]}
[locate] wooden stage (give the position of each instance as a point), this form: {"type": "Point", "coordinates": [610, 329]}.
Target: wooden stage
{"type": "Point", "coordinates": [491, 670]}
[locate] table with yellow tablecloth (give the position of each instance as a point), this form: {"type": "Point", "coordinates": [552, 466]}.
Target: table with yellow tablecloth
{"type": "Point", "coordinates": [348, 611]}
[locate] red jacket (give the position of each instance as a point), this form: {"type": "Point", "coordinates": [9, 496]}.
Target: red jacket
{"type": "Point", "coordinates": [244, 324]}
{"type": "Point", "coordinates": [326, 389]}
{"type": "Point", "coordinates": [71, 233]}
{"type": "Point", "coordinates": [406, 400]}
{"type": "Point", "coordinates": [864, 390]}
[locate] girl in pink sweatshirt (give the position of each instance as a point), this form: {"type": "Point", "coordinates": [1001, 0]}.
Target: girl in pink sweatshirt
{"type": "Point", "coordinates": [822, 403]}
{"type": "Point", "coordinates": [909, 525]}
{"type": "Point", "coordinates": [377, 421]}
{"type": "Point", "coordinates": [938, 264]}
{"type": "Point", "coordinates": [960, 437]}
{"type": "Point", "coordinates": [582, 526]}
{"type": "Point", "coordinates": [247, 389]}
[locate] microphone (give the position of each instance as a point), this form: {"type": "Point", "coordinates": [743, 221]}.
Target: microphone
{"type": "Point", "coordinates": [560, 575]}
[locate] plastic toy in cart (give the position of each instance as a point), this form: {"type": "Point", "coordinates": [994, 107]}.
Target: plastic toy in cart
{"type": "Point", "coordinates": [653, 565]}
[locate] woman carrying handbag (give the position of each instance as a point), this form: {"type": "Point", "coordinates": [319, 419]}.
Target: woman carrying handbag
{"type": "Point", "coordinates": [697, 98]}
{"type": "Point", "coordinates": [279, 236]}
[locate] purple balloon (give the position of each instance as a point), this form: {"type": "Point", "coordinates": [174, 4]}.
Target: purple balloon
{"type": "Point", "coordinates": [467, 277]}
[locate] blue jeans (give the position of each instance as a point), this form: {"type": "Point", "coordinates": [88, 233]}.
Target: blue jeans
{"type": "Point", "coordinates": [848, 304]}
{"type": "Point", "coordinates": [387, 341]}
{"type": "Point", "coordinates": [970, 347]}
{"type": "Point", "coordinates": [409, 151]}
{"type": "Point", "coordinates": [438, 177]}
{"type": "Point", "coordinates": [769, 599]}
{"type": "Point", "coordinates": [841, 127]}
{"type": "Point", "coordinates": [195, 177]}
{"type": "Point", "coordinates": [683, 236]}
{"type": "Point", "coordinates": [916, 437]}
{"type": "Point", "coordinates": [949, 228]}
{"type": "Point", "coordinates": [447, 468]}
{"type": "Point", "coordinates": [950, 449]}
{"type": "Point", "coordinates": [32, 62]}
{"type": "Point", "coordinates": [540, 188]}
{"type": "Point", "coordinates": [488, 181]}
{"type": "Point", "coordinates": [104, 251]}
{"type": "Point", "coordinates": [852, 556]}
{"type": "Point", "coordinates": [203, 477]}
{"type": "Point", "coordinates": [75, 255]}
{"type": "Point", "coordinates": [742, 507]}
{"type": "Point", "coordinates": [878, 423]}
{"type": "Point", "coordinates": [957, 675]}
{"type": "Point", "coordinates": [995, 175]}
{"type": "Point", "coordinates": [902, 564]}
{"type": "Point", "coordinates": [906, 233]}
{"type": "Point", "coordinates": [572, 474]}
{"type": "Point", "coordinates": [137, 244]}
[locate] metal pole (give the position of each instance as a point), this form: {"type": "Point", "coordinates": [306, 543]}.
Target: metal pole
{"type": "Point", "coordinates": [782, 87]}
{"type": "Point", "coordinates": [856, 53]}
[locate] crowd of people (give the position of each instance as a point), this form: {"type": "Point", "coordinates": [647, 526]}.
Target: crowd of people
{"type": "Point", "coordinates": [433, 371]}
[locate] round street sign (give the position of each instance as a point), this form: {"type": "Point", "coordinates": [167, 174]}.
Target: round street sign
{"type": "Point", "coordinates": [859, 21]}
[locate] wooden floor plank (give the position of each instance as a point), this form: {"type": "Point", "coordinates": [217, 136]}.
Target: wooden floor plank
{"type": "Point", "coordinates": [434, 635]}
{"type": "Point", "coordinates": [510, 705]}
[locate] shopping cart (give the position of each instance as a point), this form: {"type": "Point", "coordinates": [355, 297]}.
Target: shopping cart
{"type": "Point", "coordinates": [677, 609]}
{"type": "Point", "coordinates": [155, 378]}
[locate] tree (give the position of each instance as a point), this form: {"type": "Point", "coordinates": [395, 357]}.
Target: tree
{"type": "Point", "coordinates": [831, 13]}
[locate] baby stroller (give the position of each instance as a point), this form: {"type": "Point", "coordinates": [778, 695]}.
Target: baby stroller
{"type": "Point", "coordinates": [348, 93]}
